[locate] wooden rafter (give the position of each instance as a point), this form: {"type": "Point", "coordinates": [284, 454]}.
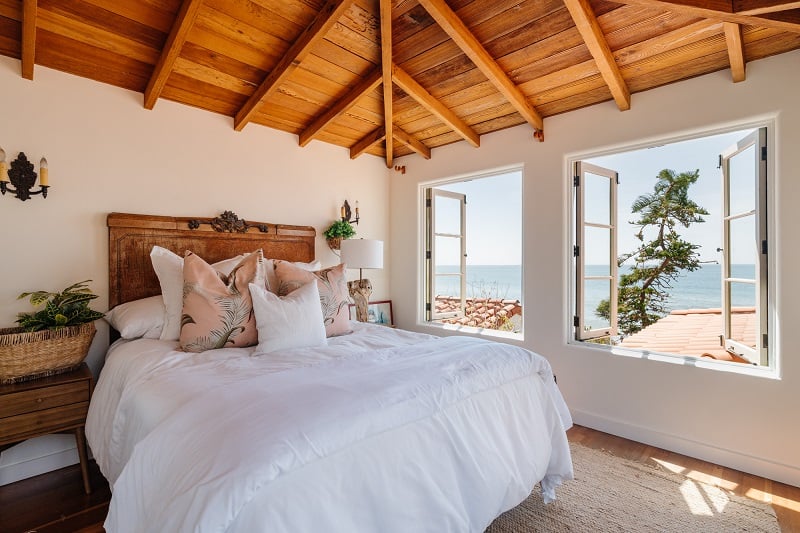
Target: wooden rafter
{"type": "Point", "coordinates": [449, 21]}
{"type": "Point", "coordinates": [411, 142]}
{"type": "Point", "coordinates": [427, 100]}
{"type": "Point", "coordinates": [779, 19]}
{"type": "Point", "coordinates": [172, 48]}
{"type": "Point", "coordinates": [370, 140]}
{"type": "Point", "coordinates": [325, 19]}
{"type": "Point", "coordinates": [29, 9]}
{"type": "Point", "coordinates": [586, 22]}
{"type": "Point", "coordinates": [367, 84]}
{"type": "Point", "coordinates": [386, 69]}
{"type": "Point", "coordinates": [733, 38]}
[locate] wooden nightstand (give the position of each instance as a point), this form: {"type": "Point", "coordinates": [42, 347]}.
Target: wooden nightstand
{"type": "Point", "coordinates": [42, 406]}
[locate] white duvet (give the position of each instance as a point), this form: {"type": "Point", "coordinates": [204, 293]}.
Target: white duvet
{"type": "Point", "coordinates": [382, 430]}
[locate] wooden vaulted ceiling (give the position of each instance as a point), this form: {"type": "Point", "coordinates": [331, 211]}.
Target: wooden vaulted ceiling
{"type": "Point", "coordinates": [394, 77]}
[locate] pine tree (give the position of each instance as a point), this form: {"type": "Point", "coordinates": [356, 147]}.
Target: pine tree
{"type": "Point", "coordinates": [658, 261]}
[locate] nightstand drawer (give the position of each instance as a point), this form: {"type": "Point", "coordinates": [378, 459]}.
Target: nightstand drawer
{"type": "Point", "coordinates": [41, 398]}
{"type": "Point", "coordinates": [21, 427]}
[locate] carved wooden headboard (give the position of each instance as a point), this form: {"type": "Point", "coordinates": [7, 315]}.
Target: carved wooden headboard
{"type": "Point", "coordinates": [131, 237]}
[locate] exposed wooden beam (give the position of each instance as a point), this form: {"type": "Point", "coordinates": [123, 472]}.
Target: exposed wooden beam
{"type": "Point", "coordinates": [172, 49]}
{"type": "Point", "coordinates": [29, 9]}
{"type": "Point", "coordinates": [586, 22]}
{"type": "Point", "coordinates": [733, 38]}
{"type": "Point", "coordinates": [723, 10]}
{"type": "Point", "coordinates": [427, 100]}
{"type": "Point", "coordinates": [328, 15]}
{"type": "Point", "coordinates": [449, 21]}
{"type": "Point", "coordinates": [386, 69]}
{"type": "Point", "coordinates": [411, 142]}
{"type": "Point", "coordinates": [371, 139]}
{"type": "Point", "coordinates": [365, 85]}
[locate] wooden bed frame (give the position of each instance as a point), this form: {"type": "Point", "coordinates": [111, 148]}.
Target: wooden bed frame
{"type": "Point", "coordinates": [131, 237]}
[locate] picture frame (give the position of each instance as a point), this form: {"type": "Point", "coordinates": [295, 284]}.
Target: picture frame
{"type": "Point", "coordinates": [379, 312]}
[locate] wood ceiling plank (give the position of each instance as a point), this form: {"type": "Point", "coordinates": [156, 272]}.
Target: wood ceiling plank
{"type": "Point", "coordinates": [733, 38]}
{"type": "Point", "coordinates": [385, 7]}
{"type": "Point", "coordinates": [457, 31]}
{"type": "Point", "coordinates": [211, 76]}
{"type": "Point", "coordinates": [10, 38]}
{"type": "Point", "coordinates": [159, 17]}
{"type": "Point", "coordinates": [326, 18]}
{"type": "Point", "coordinates": [425, 99]}
{"type": "Point", "coordinates": [368, 83]}
{"type": "Point", "coordinates": [408, 140]}
{"type": "Point", "coordinates": [29, 14]}
{"type": "Point", "coordinates": [371, 139]}
{"type": "Point", "coordinates": [301, 13]}
{"type": "Point", "coordinates": [595, 40]}
{"type": "Point", "coordinates": [345, 59]}
{"type": "Point", "coordinates": [759, 7]}
{"type": "Point", "coordinates": [172, 48]}
{"type": "Point", "coordinates": [224, 64]}
{"type": "Point", "coordinates": [262, 18]}
{"type": "Point", "coordinates": [11, 9]}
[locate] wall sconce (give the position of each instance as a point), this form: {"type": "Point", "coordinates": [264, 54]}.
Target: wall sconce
{"type": "Point", "coordinates": [346, 214]}
{"type": "Point", "coordinates": [22, 176]}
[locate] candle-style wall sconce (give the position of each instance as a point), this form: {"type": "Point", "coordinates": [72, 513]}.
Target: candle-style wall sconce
{"type": "Point", "coordinates": [347, 214]}
{"type": "Point", "coordinates": [22, 176]}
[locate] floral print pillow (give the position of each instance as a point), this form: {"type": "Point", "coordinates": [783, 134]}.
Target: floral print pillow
{"type": "Point", "coordinates": [218, 309]}
{"type": "Point", "coordinates": [333, 294]}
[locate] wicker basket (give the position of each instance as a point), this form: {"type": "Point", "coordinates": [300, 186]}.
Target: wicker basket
{"type": "Point", "coordinates": [25, 356]}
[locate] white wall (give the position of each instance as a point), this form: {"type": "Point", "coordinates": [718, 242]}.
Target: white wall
{"type": "Point", "coordinates": [736, 420]}
{"type": "Point", "coordinates": [107, 153]}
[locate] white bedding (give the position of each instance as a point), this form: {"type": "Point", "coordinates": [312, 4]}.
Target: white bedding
{"type": "Point", "coordinates": [382, 430]}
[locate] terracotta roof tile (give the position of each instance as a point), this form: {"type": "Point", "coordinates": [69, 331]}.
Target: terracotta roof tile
{"type": "Point", "coordinates": [479, 312]}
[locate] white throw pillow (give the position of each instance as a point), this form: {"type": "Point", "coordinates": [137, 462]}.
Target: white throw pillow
{"type": "Point", "coordinates": [169, 269]}
{"type": "Point", "coordinates": [137, 319]}
{"type": "Point", "coordinates": [272, 277]}
{"type": "Point", "coordinates": [291, 321]}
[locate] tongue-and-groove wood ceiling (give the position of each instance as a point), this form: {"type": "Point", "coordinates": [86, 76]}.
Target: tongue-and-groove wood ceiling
{"type": "Point", "coordinates": [420, 73]}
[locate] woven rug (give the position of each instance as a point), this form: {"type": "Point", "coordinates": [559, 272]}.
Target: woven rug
{"type": "Point", "coordinates": [614, 494]}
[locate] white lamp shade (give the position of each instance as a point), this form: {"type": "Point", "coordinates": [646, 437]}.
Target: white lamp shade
{"type": "Point", "coordinates": [362, 253]}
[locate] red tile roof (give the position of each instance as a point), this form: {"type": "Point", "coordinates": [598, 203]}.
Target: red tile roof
{"type": "Point", "coordinates": [696, 332]}
{"type": "Point", "coordinates": [489, 313]}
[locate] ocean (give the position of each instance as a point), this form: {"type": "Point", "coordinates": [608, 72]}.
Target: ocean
{"type": "Point", "coordinates": [693, 290]}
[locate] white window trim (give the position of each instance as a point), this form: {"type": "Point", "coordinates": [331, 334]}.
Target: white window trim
{"type": "Point", "coordinates": [773, 370]}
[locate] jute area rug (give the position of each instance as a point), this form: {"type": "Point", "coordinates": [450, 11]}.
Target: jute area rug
{"type": "Point", "coordinates": [614, 494]}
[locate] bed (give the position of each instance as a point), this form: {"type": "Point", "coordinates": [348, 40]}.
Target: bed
{"type": "Point", "coordinates": [380, 430]}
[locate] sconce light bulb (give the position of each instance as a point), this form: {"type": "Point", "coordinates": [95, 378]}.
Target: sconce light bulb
{"type": "Point", "coordinates": [43, 163]}
{"type": "Point", "coordinates": [2, 156]}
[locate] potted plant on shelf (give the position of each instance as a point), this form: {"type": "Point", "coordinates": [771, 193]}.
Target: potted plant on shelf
{"type": "Point", "coordinates": [340, 229]}
{"type": "Point", "coordinates": [54, 339]}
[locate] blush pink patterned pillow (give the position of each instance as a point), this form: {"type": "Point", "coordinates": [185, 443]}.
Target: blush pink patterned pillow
{"type": "Point", "coordinates": [218, 309]}
{"type": "Point", "coordinates": [333, 294]}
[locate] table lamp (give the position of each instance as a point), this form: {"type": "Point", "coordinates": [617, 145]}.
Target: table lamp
{"type": "Point", "coordinates": [361, 254]}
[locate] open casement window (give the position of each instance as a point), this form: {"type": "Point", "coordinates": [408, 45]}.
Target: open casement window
{"type": "Point", "coordinates": [595, 250]}
{"type": "Point", "coordinates": [446, 252]}
{"type": "Point", "coordinates": [744, 248]}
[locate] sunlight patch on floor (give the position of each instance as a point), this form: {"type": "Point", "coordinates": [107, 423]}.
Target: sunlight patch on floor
{"type": "Point", "coordinates": [703, 500]}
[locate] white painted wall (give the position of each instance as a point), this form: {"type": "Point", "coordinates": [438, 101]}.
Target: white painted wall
{"type": "Point", "coordinates": [107, 153]}
{"type": "Point", "coordinates": [741, 421]}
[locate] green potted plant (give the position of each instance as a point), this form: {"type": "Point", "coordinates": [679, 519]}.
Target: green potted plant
{"type": "Point", "coordinates": [340, 229]}
{"type": "Point", "coordinates": [54, 339]}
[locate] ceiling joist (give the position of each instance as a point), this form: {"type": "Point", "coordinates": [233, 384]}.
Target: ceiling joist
{"type": "Point", "coordinates": [453, 26]}
{"type": "Point", "coordinates": [29, 9]}
{"type": "Point", "coordinates": [370, 140]}
{"type": "Point", "coordinates": [586, 22]}
{"type": "Point", "coordinates": [411, 142]}
{"type": "Point", "coordinates": [427, 100]}
{"type": "Point", "coordinates": [325, 19]}
{"type": "Point", "coordinates": [386, 69]}
{"type": "Point", "coordinates": [172, 49]}
{"type": "Point", "coordinates": [733, 38]}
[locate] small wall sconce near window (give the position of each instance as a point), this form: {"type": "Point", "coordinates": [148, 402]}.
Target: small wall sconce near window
{"type": "Point", "coordinates": [346, 213]}
{"type": "Point", "coordinates": [22, 176]}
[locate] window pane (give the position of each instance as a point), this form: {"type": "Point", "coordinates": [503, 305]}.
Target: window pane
{"type": "Point", "coordinates": [597, 251]}
{"type": "Point", "coordinates": [743, 295]}
{"type": "Point", "coordinates": [597, 195]}
{"type": "Point", "coordinates": [744, 324]}
{"type": "Point", "coordinates": [742, 179]}
{"type": "Point", "coordinates": [448, 253]}
{"type": "Point", "coordinates": [448, 215]}
{"type": "Point", "coordinates": [743, 243]}
{"type": "Point", "coordinates": [448, 286]}
{"type": "Point", "coordinates": [594, 292]}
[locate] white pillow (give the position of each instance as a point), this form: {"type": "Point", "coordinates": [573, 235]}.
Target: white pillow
{"type": "Point", "coordinates": [138, 318]}
{"type": "Point", "coordinates": [272, 278]}
{"type": "Point", "coordinates": [291, 321]}
{"type": "Point", "coordinates": [169, 269]}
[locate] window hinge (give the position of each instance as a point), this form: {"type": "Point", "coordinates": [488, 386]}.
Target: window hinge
{"type": "Point", "coordinates": [576, 321]}
{"type": "Point", "coordinates": [428, 307]}
{"type": "Point", "coordinates": [719, 164]}
{"type": "Point", "coordinates": [576, 251]}
{"type": "Point", "coordinates": [576, 180]}
{"type": "Point", "coordinates": [427, 202]}
{"type": "Point", "coordinates": [763, 153]}
{"type": "Point", "coordinates": [764, 247]}
{"type": "Point", "coordinates": [616, 177]}
{"type": "Point", "coordinates": [764, 340]}
{"type": "Point", "coordinates": [427, 254]}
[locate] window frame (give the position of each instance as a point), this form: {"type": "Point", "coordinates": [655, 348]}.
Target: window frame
{"type": "Point", "coordinates": [770, 371]}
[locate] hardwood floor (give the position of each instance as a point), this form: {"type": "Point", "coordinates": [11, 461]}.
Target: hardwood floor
{"type": "Point", "coordinates": [55, 502]}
